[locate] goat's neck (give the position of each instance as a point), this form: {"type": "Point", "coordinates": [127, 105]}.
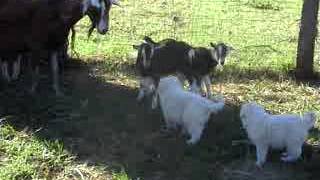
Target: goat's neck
{"type": "Point", "coordinates": [73, 11]}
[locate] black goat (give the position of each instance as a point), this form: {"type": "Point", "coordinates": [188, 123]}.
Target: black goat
{"type": "Point", "coordinates": [157, 59]}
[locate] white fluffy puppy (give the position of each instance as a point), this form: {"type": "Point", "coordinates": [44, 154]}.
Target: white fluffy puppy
{"type": "Point", "coordinates": [275, 131]}
{"type": "Point", "coordinates": [180, 107]}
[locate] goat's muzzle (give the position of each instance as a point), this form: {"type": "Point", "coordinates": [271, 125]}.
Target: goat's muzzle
{"type": "Point", "coordinates": [102, 31]}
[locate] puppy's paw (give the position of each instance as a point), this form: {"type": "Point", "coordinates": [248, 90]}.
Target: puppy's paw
{"type": "Point", "coordinates": [284, 159]}
{"type": "Point", "coordinates": [288, 159]}
{"type": "Point", "coordinates": [259, 165]}
{"type": "Point", "coordinates": [284, 154]}
{"type": "Point", "coordinates": [164, 129]}
{"type": "Point", "coordinates": [191, 141]}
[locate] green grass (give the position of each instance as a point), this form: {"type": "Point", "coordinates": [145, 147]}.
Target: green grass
{"type": "Point", "coordinates": [265, 4]}
{"type": "Point", "coordinates": [99, 132]}
{"type": "Point", "coordinates": [24, 156]}
{"type": "Point", "coordinates": [263, 37]}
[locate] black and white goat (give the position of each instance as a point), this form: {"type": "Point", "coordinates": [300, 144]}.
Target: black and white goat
{"type": "Point", "coordinates": [158, 59]}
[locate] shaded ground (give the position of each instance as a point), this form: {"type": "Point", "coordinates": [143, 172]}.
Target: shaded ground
{"type": "Point", "coordinates": [101, 123]}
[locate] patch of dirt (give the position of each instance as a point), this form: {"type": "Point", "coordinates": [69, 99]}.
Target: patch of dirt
{"type": "Point", "coordinates": [102, 123]}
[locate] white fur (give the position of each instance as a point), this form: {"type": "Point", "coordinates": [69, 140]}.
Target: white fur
{"type": "Point", "coordinates": [186, 109]}
{"type": "Point", "coordinates": [275, 131]}
{"type": "Point", "coordinates": [96, 3]}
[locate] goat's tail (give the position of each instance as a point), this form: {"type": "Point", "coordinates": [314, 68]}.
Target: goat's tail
{"type": "Point", "coordinates": [149, 40]}
{"type": "Point", "coordinates": [309, 119]}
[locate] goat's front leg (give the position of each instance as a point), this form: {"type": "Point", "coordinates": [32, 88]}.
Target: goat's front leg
{"type": "Point", "coordinates": [33, 67]}
{"type": "Point", "coordinates": [16, 67]}
{"type": "Point", "coordinates": [207, 81]}
{"type": "Point", "coordinates": [34, 77]}
{"type": "Point", "coordinates": [5, 71]}
{"type": "Point", "coordinates": [55, 72]}
{"type": "Point", "coordinates": [196, 85]}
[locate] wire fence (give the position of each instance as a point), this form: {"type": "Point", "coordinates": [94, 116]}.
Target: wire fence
{"type": "Point", "coordinates": [264, 32]}
{"type": "Point", "coordinates": [317, 49]}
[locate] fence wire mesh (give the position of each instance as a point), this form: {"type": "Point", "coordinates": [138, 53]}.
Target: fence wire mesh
{"type": "Point", "coordinates": [263, 32]}
{"type": "Point", "coordinates": [317, 48]}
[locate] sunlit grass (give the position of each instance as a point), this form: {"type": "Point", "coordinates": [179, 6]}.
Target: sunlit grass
{"type": "Point", "coordinates": [262, 37]}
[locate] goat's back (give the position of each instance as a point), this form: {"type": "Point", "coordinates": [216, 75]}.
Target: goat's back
{"type": "Point", "coordinates": [203, 61]}
{"type": "Point", "coordinates": [170, 57]}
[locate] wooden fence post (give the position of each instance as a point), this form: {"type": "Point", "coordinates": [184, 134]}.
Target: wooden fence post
{"type": "Point", "coordinates": [307, 35]}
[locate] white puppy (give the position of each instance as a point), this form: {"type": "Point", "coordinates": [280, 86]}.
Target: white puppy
{"type": "Point", "coordinates": [275, 131]}
{"type": "Point", "coordinates": [186, 109]}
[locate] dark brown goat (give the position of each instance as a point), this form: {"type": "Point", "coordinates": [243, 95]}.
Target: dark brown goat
{"type": "Point", "coordinates": [42, 26]}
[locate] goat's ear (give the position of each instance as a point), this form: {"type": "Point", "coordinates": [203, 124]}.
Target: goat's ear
{"type": "Point", "coordinates": [229, 49]}
{"type": "Point", "coordinates": [191, 55]}
{"type": "Point", "coordinates": [115, 2]}
{"type": "Point", "coordinates": [148, 39]}
{"type": "Point", "coordinates": [212, 45]}
{"type": "Point", "coordinates": [136, 47]}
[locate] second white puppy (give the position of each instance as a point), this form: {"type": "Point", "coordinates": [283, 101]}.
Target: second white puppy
{"type": "Point", "coordinates": [186, 109]}
{"type": "Point", "coordinates": [275, 131]}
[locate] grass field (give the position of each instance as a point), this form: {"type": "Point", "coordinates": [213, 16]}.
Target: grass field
{"type": "Point", "coordinates": [98, 131]}
{"type": "Point", "coordinates": [263, 32]}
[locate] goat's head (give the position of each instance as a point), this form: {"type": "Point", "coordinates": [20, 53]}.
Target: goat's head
{"type": "Point", "coordinates": [219, 52]}
{"type": "Point", "coordinates": [147, 88]}
{"type": "Point", "coordinates": [98, 12]}
{"type": "Point", "coordinates": [145, 53]}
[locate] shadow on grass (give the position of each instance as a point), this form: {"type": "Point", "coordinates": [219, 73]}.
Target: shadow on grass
{"type": "Point", "coordinates": [101, 123]}
{"type": "Point", "coordinates": [236, 73]}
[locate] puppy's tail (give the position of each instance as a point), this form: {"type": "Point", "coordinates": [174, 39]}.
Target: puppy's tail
{"type": "Point", "coordinates": [308, 119]}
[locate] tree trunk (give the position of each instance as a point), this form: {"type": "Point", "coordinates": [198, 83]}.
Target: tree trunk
{"type": "Point", "coordinates": [307, 35]}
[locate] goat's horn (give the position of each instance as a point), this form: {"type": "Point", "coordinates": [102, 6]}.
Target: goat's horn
{"type": "Point", "coordinates": [230, 48]}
